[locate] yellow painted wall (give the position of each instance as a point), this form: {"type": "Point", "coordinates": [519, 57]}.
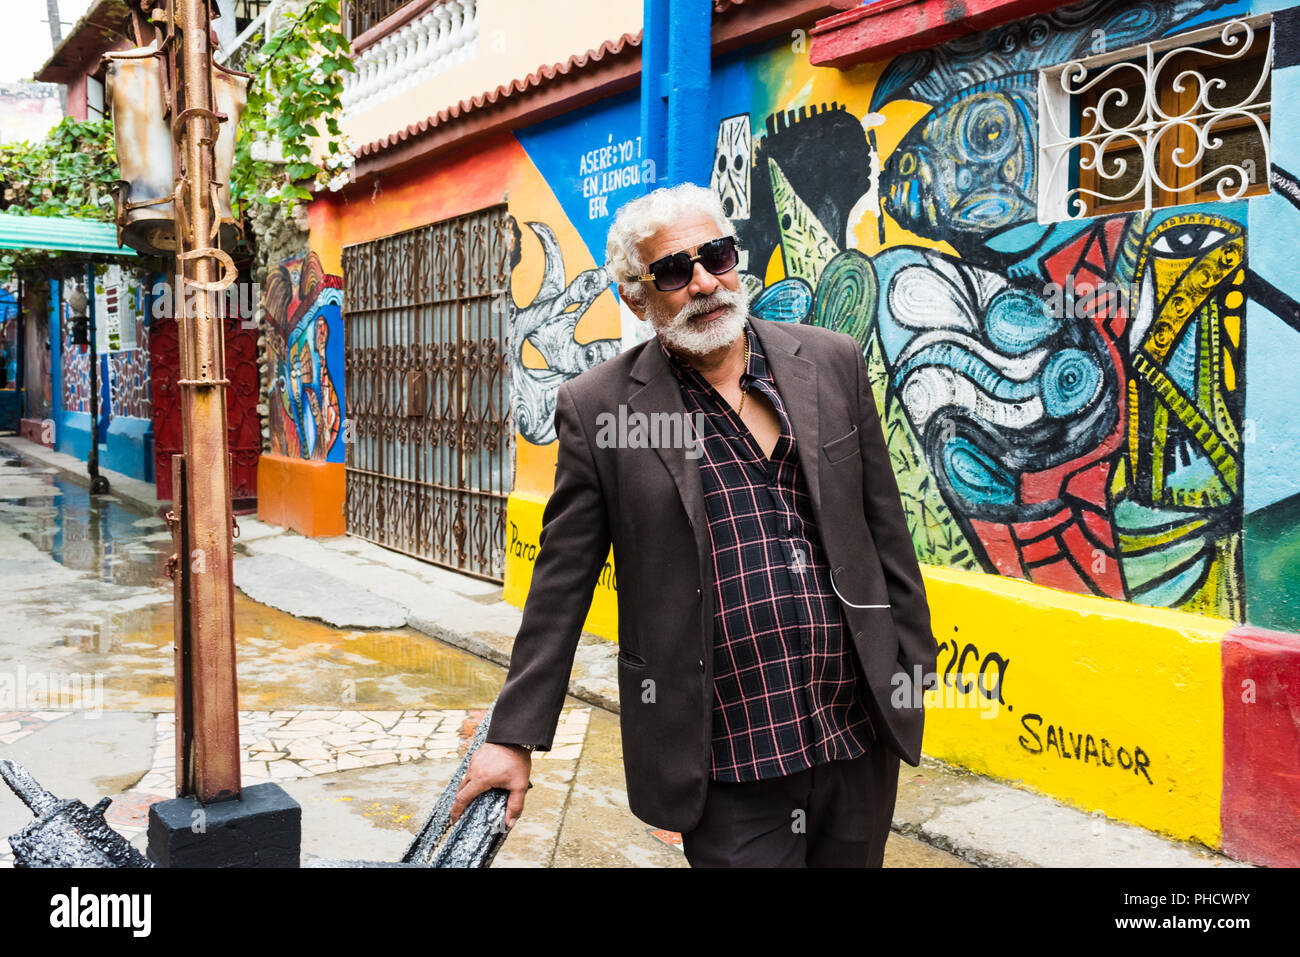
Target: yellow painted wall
{"type": "Point", "coordinates": [1138, 677]}
{"type": "Point", "coordinates": [523, 527]}
{"type": "Point", "coordinates": [515, 38]}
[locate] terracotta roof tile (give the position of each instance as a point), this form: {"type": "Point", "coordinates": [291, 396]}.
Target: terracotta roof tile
{"type": "Point", "coordinates": [545, 73]}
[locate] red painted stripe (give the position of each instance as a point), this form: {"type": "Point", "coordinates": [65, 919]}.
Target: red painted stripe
{"type": "Point", "coordinates": [1260, 810]}
{"type": "Point", "coordinates": [887, 28]}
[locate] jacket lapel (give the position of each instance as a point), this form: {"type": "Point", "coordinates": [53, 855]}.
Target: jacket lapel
{"type": "Point", "coordinates": [796, 381]}
{"type": "Point", "coordinates": [655, 389]}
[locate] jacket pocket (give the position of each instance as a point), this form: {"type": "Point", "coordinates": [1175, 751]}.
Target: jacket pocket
{"type": "Point", "coordinates": [629, 659]}
{"type": "Point", "coordinates": [837, 450]}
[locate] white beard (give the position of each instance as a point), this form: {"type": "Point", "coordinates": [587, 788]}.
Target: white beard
{"type": "Point", "coordinates": [683, 334]}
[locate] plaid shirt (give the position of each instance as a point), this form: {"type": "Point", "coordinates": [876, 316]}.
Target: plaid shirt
{"type": "Point", "coordinates": [785, 676]}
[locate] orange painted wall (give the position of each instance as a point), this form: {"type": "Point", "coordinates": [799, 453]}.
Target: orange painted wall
{"type": "Point", "coordinates": [302, 494]}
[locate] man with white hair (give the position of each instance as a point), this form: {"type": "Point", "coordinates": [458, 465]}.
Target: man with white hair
{"type": "Point", "coordinates": [770, 601]}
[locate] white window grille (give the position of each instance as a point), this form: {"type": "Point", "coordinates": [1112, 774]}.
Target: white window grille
{"type": "Point", "coordinates": [94, 98]}
{"type": "Point", "coordinates": [1181, 120]}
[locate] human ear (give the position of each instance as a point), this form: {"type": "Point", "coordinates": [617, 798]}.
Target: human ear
{"type": "Point", "coordinates": [637, 307]}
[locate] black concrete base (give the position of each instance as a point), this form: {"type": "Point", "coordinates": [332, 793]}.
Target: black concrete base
{"type": "Point", "coordinates": [261, 829]}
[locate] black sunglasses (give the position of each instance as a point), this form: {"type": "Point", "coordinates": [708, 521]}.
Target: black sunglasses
{"type": "Point", "coordinates": [673, 272]}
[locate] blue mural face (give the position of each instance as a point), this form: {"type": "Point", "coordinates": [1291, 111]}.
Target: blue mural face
{"type": "Point", "coordinates": [994, 384]}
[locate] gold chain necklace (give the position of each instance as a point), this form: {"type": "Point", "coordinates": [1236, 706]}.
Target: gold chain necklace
{"type": "Point", "coordinates": [746, 369]}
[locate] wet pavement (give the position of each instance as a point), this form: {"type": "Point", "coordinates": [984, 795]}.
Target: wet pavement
{"type": "Point", "coordinates": [86, 594]}
{"type": "Point", "coordinates": [362, 727]}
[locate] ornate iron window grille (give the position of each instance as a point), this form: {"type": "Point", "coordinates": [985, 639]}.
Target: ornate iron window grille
{"type": "Point", "coordinates": [1138, 129]}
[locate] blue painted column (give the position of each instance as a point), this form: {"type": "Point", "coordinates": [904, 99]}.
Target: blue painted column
{"type": "Point", "coordinates": [676, 49]}
{"type": "Point", "coordinates": [56, 351]}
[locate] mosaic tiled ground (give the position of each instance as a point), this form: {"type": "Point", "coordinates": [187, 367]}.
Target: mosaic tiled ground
{"type": "Point", "coordinates": [289, 745]}
{"type": "Point", "coordinates": [286, 745]}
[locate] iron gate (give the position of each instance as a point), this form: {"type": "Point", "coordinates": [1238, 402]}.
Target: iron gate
{"type": "Point", "coordinates": [429, 463]}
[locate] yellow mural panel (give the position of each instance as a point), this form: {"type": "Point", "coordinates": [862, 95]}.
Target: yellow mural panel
{"type": "Point", "coordinates": [523, 529]}
{"type": "Point", "coordinates": [1111, 706]}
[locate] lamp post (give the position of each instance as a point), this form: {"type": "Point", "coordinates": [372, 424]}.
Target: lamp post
{"type": "Point", "coordinates": [170, 94]}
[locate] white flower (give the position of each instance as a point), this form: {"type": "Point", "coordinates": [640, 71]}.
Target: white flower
{"type": "Point", "coordinates": [348, 160]}
{"type": "Point", "coordinates": [332, 162]}
{"type": "Point", "coordinates": [273, 192]}
{"type": "Point", "coordinates": [318, 77]}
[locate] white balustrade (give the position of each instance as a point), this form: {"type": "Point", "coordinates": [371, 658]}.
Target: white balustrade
{"type": "Point", "coordinates": [439, 39]}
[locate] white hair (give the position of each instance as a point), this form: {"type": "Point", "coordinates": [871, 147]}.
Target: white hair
{"type": "Point", "coordinates": [640, 219]}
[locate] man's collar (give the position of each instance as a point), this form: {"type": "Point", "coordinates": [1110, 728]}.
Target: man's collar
{"type": "Point", "coordinates": [757, 367]}
{"type": "Point", "coordinates": [770, 336]}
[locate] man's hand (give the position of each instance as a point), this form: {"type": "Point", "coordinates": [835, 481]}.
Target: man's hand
{"type": "Point", "coordinates": [496, 766]}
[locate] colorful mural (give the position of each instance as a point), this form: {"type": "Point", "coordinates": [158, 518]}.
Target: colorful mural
{"type": "Point", "coordinates": [76, 374]}
{"type": "Point", "coordinates": [548, 325]}
{"type": "Point", "coordinates": [304, 342]}
{"type": "Point", "coordinates": [1086, 442]}
{"type": "Point", "coordinates": [122, 342]}
{"type": "Point", "coordinates": [1090, 443]}
{"type": "Point", "coordinates": [129, 376]}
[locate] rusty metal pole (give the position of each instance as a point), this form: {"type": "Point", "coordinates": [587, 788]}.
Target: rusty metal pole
{"type": "Point", "coordinates": [210, 770]}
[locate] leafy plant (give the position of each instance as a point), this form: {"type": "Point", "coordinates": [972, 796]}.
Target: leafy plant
{"type": "Point", "coordinates": [296, 90]}
{"type": "Point", "coordinates": [293, 99]}
{"type": "Point", "coordinates": [69, 173]}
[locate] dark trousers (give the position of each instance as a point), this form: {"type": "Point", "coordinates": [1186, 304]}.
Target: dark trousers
{"type": "Point", "coordinates": [832, 815]}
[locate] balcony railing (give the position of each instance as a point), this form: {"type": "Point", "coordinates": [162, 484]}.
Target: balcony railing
{"type": "Point", "coordinates": [360, 15]}
{"type": "Point", "coordinates": [443, 36]}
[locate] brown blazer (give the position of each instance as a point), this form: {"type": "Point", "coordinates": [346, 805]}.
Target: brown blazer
{"type": "Point", "coordinates": [649, 502]}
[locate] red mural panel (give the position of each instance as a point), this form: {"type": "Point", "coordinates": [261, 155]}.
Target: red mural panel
{"type": "Point", "coordinates": [243, 427]}
{"type": "Point", "coordinates": [1260, 811]}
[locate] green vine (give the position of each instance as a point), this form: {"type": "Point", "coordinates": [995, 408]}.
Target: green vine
{"type": "Point", "coordinates": [68, 174]}
{"type": "Point", "coordinates": [297, 87]}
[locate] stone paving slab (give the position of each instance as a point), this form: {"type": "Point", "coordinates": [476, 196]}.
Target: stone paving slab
{"type": "Point", "coordinates": [460, 610]}
{"type": "Point", "coordinates": [991, 824]}
{"type": "Point", "coordinates": [305, 592]}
